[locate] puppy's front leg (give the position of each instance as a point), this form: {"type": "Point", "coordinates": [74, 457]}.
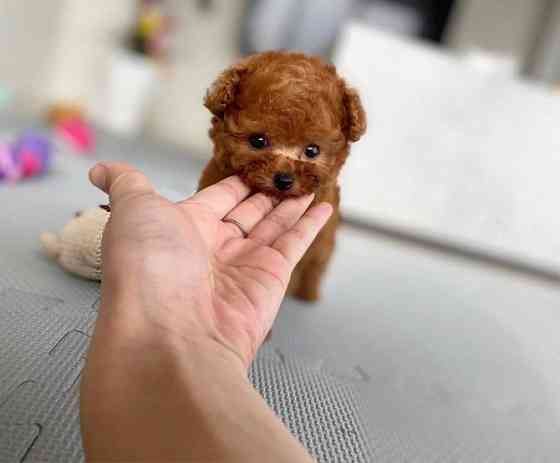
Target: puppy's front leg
{"type": "Point", "coordinates": [305, 283]}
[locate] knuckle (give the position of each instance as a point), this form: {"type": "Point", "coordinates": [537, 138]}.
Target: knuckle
{"type": "Point", "coordinates": [279, 221]}
{"type": "Point", "coordinates": [259, 240]}
{"type": "Point", "coordinates": [231, 191]}
{"type": "Point", "coordinates": [261, 203]}
{"type": "Point", "coordinates": [299, 235]}
{"type": "Point", "coordinates": [129, 183]}
{"type": "Point", "coordinates": [130, 178]}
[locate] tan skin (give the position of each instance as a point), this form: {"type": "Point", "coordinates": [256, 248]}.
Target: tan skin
{"type": "Point", "coordinates": [186, 303]}
{"type": "Point", "coordinates": [306, 277]}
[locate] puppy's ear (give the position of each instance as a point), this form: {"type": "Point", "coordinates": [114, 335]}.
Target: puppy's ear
{"type": "Point", "coordinates": [223, 91]}
{"type": "Point", "coordinates": [356, 121]}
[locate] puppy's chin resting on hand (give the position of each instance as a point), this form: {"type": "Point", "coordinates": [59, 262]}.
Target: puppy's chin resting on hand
{"type": "Point", "coordinates": [284, 123]}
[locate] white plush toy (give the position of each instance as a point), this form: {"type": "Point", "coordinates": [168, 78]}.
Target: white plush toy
{"type": "Point", "coordinates": [78, 246]}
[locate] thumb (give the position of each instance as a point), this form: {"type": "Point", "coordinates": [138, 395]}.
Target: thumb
{"type": "Point", "coordinates": [119, 180]}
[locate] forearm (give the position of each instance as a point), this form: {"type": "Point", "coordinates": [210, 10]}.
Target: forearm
{"type": "Point", "coordinates": [147, 397]}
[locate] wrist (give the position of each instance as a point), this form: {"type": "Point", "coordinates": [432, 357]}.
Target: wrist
{"type": "Point", "coordinates": [168, 385]}
{"type": "Point", "coordinates": [152, 386]}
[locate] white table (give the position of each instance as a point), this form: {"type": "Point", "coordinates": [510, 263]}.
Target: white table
{"type": "Point", "coordinates": [452, 152]}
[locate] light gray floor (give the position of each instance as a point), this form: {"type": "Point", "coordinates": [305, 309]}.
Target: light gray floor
{"type": "Point", "coordinates": [458, 361]}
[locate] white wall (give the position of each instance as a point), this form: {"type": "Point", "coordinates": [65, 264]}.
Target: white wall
{"type": "Point", "coordinates": [88, 32]}
{"type": "Point", "coordinates": [207, 43]}
{"type": "Point", "coordinates": [28, 30]}
{"type": "Point", "coordinates": [60, 49]}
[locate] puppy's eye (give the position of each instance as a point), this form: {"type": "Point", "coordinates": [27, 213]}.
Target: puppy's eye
{"type": "Point", "coordinates": [312, 151]}
{"type": "Point", "coordinates": [258, 141]}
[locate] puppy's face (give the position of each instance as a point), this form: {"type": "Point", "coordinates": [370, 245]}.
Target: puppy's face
{"type": "Point", "coordinates": [283, 149]}
{"type": "Point", "coordinates": [283, 122]}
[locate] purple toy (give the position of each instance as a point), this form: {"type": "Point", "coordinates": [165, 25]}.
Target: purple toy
{"type": "Point", "coordinates": [28, 156]}
{"type": "Point", "coordinates": [8, 169]}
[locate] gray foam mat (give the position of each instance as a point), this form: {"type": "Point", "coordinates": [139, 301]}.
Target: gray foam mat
{"type": "Point", "coordinates": [17, 440]}
{"type": "Point", "coordinates": [323, 410]}
{"type": "Point", "coordinates": [44, 349]}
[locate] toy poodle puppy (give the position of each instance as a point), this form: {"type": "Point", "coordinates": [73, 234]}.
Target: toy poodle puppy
{"type": "Point", "coordinates": [284, 123]}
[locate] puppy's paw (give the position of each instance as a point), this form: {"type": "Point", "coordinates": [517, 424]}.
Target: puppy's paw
{"type": "Point", "coordinates": [307, 294]}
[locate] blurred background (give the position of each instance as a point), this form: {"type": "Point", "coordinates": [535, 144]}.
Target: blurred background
{"type": "Point", "coordinates": [461, 95]}
{"type": "Point", "coordinates": [443, 293]}
{"type": "Point", "coordinates": [64, 50]}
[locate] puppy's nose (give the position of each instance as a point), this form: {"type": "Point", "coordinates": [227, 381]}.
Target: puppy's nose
{"type": "Point", "coordinates": [283, 181]}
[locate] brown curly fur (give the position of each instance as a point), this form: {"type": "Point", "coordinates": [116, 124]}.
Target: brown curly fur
{"type": "Point", "coordinates": [296, 100]}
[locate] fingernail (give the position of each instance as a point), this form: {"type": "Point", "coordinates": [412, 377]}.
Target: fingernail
{"type": "Point", "coordinates": [98, 176]}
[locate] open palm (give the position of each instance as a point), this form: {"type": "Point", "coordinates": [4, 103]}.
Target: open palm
{"type": "Point", "coordinates": [225, 255]}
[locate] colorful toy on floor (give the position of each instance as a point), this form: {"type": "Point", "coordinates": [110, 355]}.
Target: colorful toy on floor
{"type": "Point", "coordinates": [8, 170]}
{"type": "Point", "coordinates": [30, 155]}
{"type": "Point", "coordinates": [63, 111]}
{"type": "Point", "coordinates": [78, 133]}
{"type": "Point", "coordinates": [71, 125]}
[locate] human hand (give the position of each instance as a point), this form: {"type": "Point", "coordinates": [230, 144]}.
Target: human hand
{"type": "Point", "coordinates": [191, 275]}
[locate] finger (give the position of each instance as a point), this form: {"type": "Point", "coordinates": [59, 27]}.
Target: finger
{"type": "Point", "coordinates": [249, 213]}
{"type": "Point", "coordinates": [221, 197]}
{"type": "Point", "coordinates": [280, 220]}
{"type": "Point", "coordinates": [119, 180]}
{"type": "Point", "coordinates": [293, 244]}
